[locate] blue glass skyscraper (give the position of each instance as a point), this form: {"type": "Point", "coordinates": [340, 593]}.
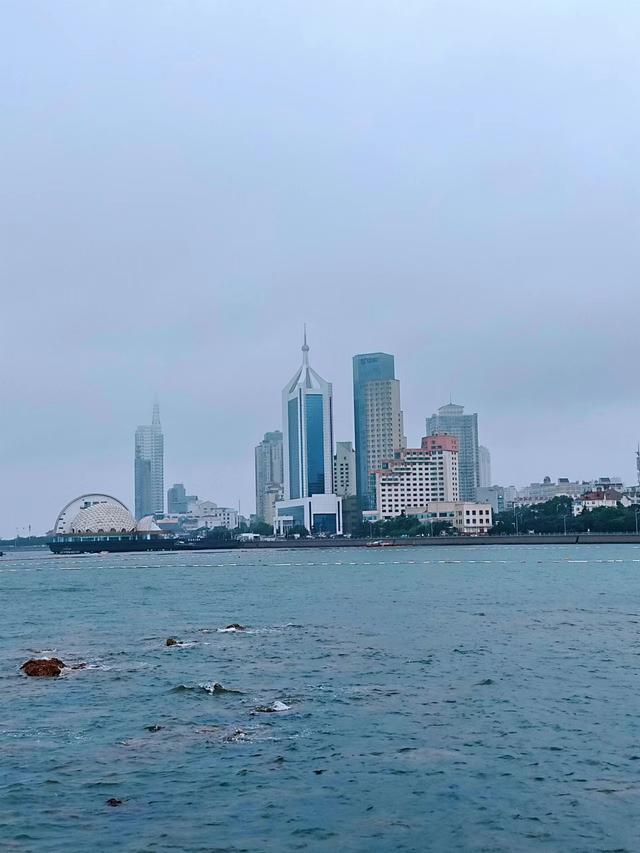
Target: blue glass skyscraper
{"type": "Point", "coordinates": [307, 416]}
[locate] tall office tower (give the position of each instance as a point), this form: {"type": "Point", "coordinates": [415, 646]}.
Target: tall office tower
{"type": "Point", "coordinates": [484, 467]}
{"type": "Point", "coordinates": [378, 422]}
{"type": "Point", "coordinates": [149, 467]}
{"type": "Point", "coordinates": [307, 417]}
{"type": "Point", "coordinates": [269, 474]}
{"type": "Point", "coordinates": [344, 469]}
{"type": "Point", "coordinates": [452, 420]}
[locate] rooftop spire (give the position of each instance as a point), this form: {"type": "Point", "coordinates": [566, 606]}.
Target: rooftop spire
{"type": "Point", "coordinates": [305, 348]}
{"type": "Point", "coordinates": [155, 421]}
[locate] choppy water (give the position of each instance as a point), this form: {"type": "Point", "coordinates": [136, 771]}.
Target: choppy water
{"type": "Point", "coordinates": [444, 698]}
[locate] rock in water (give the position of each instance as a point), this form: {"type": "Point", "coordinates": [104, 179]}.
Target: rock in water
{"type": "Point", "coordinates": [114, 801]}
{"type": "Point", "coordinates": [43, 667]}
{"type": "Point", "coordinates": [236, 626]}
{"type": "Point", "coordinates": [172, 642]}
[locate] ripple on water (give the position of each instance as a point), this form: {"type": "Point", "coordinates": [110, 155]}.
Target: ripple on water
{"type": "Point", "coordinates": [480, 699]}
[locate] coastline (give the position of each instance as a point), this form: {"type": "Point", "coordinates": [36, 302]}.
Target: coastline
{"type": "Point", "coordinates": [418, 541]}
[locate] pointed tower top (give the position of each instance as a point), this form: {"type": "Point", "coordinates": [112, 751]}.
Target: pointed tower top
{"type": "Point", "coordinates": [305, 347]}
{"type": "Point", "coordinates": [155, 421]}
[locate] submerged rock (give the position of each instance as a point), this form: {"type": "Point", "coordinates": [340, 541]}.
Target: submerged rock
{"type": "Point", "coordinates": [43, 667]}
{"type": "Point", "coordinates": [235, 626]}
{"type": "Point", "coordinates": [154, 728]}
{"type": "Point", "coordinates": [171, 641]}
{"type": "Point", "coordinates": [113, 802]}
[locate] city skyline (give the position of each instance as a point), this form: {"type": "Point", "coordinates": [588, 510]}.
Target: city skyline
{"type": "Point", "coordinates": [245, 488]}
{"type": "Point", "coordinates": [478, 225]}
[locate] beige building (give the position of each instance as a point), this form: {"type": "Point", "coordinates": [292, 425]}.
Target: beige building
{"type": "Point", "coordinates": [344, 469]}
{"type": "Point", "coordinates": [416, 476]}
{"type": "Point", "coordinates": [383, 420]}
{"type": "Point", "coordinates": [465, 517]}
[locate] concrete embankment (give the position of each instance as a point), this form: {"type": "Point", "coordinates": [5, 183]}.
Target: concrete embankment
{"type": "Point", "coordinates": [560, 539]}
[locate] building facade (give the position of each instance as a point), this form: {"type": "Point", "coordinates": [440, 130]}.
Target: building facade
{"type": "Point", "coordinates": [598, 500]}
{"type": "Point", "coordinates": [451, 419]}
{"type": "Point", "coordinates": [484, 467]}
{"type": "Point", "coordinates": [496, 496]}
{"type": "Point", "coordinates": [378, 420]}
{"type": "Point", "coordinates": [149, 467]}
{"type": "Point", "coordinates": [320, 515]}
{"type": "Point", "coordinates": [178, 500]}
{"type": "Point", "coordinates": [207, 514]}
{"type": "Point", "coordinates": [344, 469]}
{"type": "Point", "coordinates": [307, 415]}
{"type": "Point", "coordinates": [269, 475]}
{"type": "Point", "coordinates": [471, 519]}
{"type": "Point", "coordinates": [416, 476]}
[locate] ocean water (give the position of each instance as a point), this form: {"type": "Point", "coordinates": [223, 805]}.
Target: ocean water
{"type": "Point", "coordinates": [440, 698]}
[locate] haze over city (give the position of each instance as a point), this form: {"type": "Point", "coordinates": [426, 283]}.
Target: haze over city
{"type": "Point", "coordinates": [455, 184]}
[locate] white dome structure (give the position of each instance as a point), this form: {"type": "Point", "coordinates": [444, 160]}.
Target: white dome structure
{"type": "Point", "coordinates": [94, 513]}
{"type": "Point", "coordinates": [103, 518]}
{"type": "Point", "coordinates": [147, 525]}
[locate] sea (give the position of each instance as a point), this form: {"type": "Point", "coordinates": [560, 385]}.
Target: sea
{"type": "Point", "coordinates": [443, 698]}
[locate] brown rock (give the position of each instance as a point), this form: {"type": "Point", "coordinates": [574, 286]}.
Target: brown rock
{"type": "Point", "coordinates": [43, 667]}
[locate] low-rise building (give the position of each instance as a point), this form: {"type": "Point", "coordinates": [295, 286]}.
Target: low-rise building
{"type": "Point", "coordinates": [417, 475]}
{"type": "Point", "coordinates": [597, 500]}
{"type": "Point", "coordinates": [207, 514]}
{"type": "Point", "coordinates": [321, 515]}
{"type": "Point", "coordinates": [463, 516]}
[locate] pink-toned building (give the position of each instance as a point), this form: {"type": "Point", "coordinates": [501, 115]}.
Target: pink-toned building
{"type": "Point", "coordinates": [416, 476]}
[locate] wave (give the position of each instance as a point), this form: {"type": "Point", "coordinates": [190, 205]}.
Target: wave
{"type": "Point", "coordinates": [211, 687]}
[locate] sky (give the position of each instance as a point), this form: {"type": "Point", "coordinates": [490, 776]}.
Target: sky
{"type": "Point", "coordinates": [184, 183]}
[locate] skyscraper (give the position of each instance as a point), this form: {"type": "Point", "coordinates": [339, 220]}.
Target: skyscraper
{"type": "Point", "coordinates": [307, 416]}
{"type": "Point", "coordinates": [452, 420]}
{"type": "Point", "coordinates": [344, 469]}
{"type": "Point", "coordinates": [149, 467]}
{"type": "Point", "coordinates": [378, 421]}
{"type": "Point", "coordinates": [269, 474]}
{"type": "Point", "coordinates": [484, 465]}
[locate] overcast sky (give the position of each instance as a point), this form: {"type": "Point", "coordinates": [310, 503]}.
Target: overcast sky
{"type": "Point", "coordinates": [185, 182]}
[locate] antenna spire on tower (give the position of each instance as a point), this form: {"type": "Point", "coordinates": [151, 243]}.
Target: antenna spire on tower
{"type": "Point", "coordinates": [305, 347]}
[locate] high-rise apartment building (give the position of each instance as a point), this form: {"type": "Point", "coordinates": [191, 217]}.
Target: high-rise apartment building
{"type": "Point", "coordinates": [377, 415]}
{"type": "Point", "coordinates": [484, 467]}
{"type": "Point", "coordinates": [149, 467]}
{"type": "Point", "coordinates": [417, 475]}
{"type": "Point", "coordinates": [344, 469]}
{"type": "Point", "coordinates": [452, 419]}
{"type": "Point", "coordinates": [307, 414]}
{"type": "Point", "coordinates": [269, 474]}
